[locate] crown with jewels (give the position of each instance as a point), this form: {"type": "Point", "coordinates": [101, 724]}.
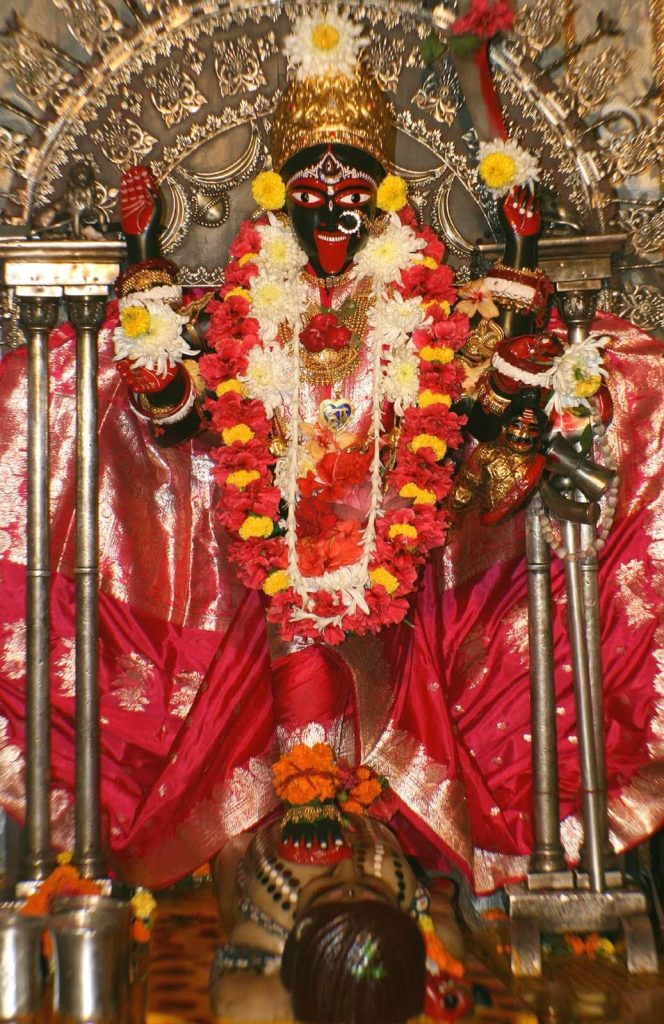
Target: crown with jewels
{"type": "Point", "coordinates": [333, 97]}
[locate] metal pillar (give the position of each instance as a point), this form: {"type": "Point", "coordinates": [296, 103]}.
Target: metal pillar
{"type": "Point", "coordinates": [589, 567]}
{"type": "Point", "coordinates": [86, 311]}
{"type": "Point", "coordinates": [38, 315]}
{"type": "Point", "coordinates": [588, 755]}
{"type": "Point", "coordinates": [41, 274]}
{"type": "Point", "coordinates": [547, 856]}
{"type": "Point", "coordinates": [577, 266]}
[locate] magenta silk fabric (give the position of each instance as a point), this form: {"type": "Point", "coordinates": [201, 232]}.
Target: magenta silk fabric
{"type": "Point", "coordinates": [190, 703]}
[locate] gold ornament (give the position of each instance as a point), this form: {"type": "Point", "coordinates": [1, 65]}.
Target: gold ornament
{"type": "Point", "coordinates": [334, 108]}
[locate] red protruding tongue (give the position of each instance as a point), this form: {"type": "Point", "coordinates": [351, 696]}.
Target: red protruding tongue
{"type": "Point", "coordinates": [331, 255]}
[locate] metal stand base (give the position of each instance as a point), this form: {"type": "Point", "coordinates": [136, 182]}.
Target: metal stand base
{"type": "Point", "coordinates": [25, 889]}
{"type": "Point", "coordinates": [563, 910]}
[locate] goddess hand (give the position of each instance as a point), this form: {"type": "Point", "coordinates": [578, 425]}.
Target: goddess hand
{"type": "Point", "coordinates": [140, 213]}
{"type": "Point", "coordinates": [522, 213]}
{"type": "Point", "coordinates": [144, 381]}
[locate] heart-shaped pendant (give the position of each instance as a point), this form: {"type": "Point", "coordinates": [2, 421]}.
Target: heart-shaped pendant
{"type": "Point", "coordinates": [335, 413]}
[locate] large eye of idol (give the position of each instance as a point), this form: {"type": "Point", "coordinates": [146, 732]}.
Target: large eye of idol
{"type": "Point", "coordinates": [331, 201]}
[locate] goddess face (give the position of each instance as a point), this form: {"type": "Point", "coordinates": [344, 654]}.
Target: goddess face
{"type": "Point", "coordinates": [331, 201]}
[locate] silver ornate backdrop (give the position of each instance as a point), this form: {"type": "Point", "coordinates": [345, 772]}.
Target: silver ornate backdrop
{"type": "Point", "coordinates": [190, 87]}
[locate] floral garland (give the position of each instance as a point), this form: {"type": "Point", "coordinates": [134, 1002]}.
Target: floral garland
{"type": "Point", "coordinates": [255, 374]}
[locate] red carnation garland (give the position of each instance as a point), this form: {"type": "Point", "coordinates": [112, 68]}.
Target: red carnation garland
{"type": "Point", "coordinates": [250, 506]}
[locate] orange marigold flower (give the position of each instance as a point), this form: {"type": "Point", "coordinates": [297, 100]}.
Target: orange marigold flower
{"type": "Point", "coordinates": [306, 773]}
{"type": "Point", "coordinates": [139, 932]}
{"type": "Point", "coordinates": [366, 792]}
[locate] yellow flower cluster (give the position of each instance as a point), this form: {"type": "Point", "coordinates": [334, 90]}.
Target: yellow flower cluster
{"type": "Point", "coordinates": [135, 321]}
{"type": "Point", "coordinates": [228, 385]}
{"type": "Point", "coordinates": [325, 37]}
{"type": "Point", "coordinates": [269, 190]}
{"type": "Point", "coordinates": [276, 582]}
{"type": "Point", "coordinates": [392, 193]}
{"type": "Point", "coordinates": [498, 170]}
{"type": "Point", "coordinates": [427, 261]}
{"type": "Point", "coordinates": [248, 257]}
{"type": "Point", "coordinates": [437, 445]}
{"type": "Point", "coordinates": [241, 478]}
{"type": "Point", "coordinates": [428, 397]}
{"type": "Point", "coordinates": [143, 903]}
{"type": "Point", "coordinates": [240, 432]}
{"type": "Point", "coordinates": [402, 530]}
{"type": "Point", "coordinates": [384, 578]}
{"type": "Point", "coordinates": [419, 495]}
{"type": "Point", "coordinates": [242, 292]}
{"type": "Point", "coordinates": [588, 387]}
{"type": "Point", "coordinates": [436, 354]}
{"type": "Point", "coordinates": [256, 526]}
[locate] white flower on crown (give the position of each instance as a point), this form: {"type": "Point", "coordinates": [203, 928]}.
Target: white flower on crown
{"type": "Point", "coordinates": [280, 254]}
{"type": "Point", "coordinates": [502, 164]}
{"type": "Point", "coordinates": [385, 255]}
{"type": "Point", "coordinates": [322, 44]}
{"type": "Point", "coordinates": [577, 374]}
{"type": "Point", "coordinates": [274, 300]}
{"type": "Point", "coordinates": [269, 377]}
{"type": "Point", "coordinates": [150, 334]}
{"type": "Point", "coordinates": [401, 380]}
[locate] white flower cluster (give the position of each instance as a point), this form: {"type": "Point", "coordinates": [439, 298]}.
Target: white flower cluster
{"type": "Point", "coordinates": [276, 291]}
{"type": "Point", "coordinates": [396, 319]}
{"type": "Point", "coordinates": [504, 163]}
{"type": "Point", "coordinates": [385, 255]}
{"type": "Point", "coordinates": [160, 343]}
{"type": "Point", "coordinates": [324, 45]}
{"type": "Point", "coordinates": [269, 377]}
{"type": "Point", "coordinates": [577, 373]}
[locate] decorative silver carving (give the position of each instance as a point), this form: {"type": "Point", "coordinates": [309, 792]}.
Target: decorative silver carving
{"type": "Point", "coordinates": [202, 198]}
{"type": "Point", "coordinates": [122, 141]}
{"type": "Point", "coordinates": [385, 57]}
{"type": "Point", "coordinates": [227, 50]}
{"type": "Point", "coordinates": [593, 81]}
{"type": "Point", "coordinates": [37, 69]}
{"type": "Point", "coordinates": [644, 305]}
{"type": "Point", "coordinates": [631, 153]}
{"type": "Point", "coordinates": [93, 23]}
{"type": "Point", "coordinates": [130, 100]}
{"type": "Point", "coordinates": [238, 64]}
{"type": "Point", "coordinates": [174, 94]}
{"type": "Point", "coordinates": [538, 24]}
{"type": "Point", "coordinates": [440, 93]}
{"type": "Point", "coordinates": [78, 213]}
{"type": "Point", "coordinates": [11, 148]}
{"type": "Point", "coordinates": [644, 220]}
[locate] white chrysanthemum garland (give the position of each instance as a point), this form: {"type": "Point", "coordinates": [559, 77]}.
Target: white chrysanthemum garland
{"type": "Point", "coordinates": [150, 330]}
{"type": "Point", "coordinates": [324, 44]}
{"type": "Point", "coordinates": [411, 339]}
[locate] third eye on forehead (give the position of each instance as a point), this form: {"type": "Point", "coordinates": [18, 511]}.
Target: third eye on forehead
{"type": "Point", "coordinates": [347, 192]}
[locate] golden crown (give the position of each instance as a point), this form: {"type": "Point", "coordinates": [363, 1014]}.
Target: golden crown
{"type": "Point", "coordinates": [334, 108]}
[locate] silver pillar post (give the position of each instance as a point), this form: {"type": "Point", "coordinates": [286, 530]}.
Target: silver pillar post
{"type": "Point", "coordinates": [547, 855]}
{"type": "Point", "coordinates": [592, 805]}
{"type": "Point", "coordinates": [590, 588]}
{"type": "Point", "coordinates": [38, 316]}
{"type": "Point", "coordinates": [86, 312]}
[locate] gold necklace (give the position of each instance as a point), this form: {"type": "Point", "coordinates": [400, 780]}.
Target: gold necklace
{"type": "Point", "coordinates": [332, 366]}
